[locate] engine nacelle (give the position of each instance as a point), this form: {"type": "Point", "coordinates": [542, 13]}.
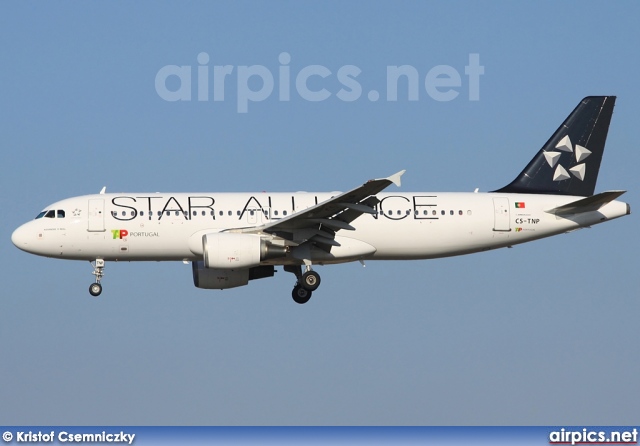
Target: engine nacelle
{"type": "Point", "coordinates": [228, 250]}
{"type": "Point", "coordinates": [220, 279]}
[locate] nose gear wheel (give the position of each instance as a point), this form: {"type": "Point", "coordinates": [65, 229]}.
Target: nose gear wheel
{"type": "Point", "coordinates": [98, 270]}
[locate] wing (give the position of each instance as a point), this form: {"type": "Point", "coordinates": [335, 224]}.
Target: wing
{"type": "Point", "coordinates": [319, 224]}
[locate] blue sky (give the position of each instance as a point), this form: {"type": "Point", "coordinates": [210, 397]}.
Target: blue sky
{"type": "Point", "coordinates": [545, 333]}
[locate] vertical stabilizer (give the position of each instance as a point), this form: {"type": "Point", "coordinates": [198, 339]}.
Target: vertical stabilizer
{"type": "Point", "coordinates": [569, 162]}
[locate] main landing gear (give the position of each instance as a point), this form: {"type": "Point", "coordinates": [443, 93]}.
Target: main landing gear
{"type": "Point", "coordinates": [98, 270]}
{"type": "Point", "coordinates": [306, 283]}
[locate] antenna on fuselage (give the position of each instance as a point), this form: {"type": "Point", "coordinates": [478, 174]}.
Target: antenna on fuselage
{"type": "Point", "coordinates": [103, 190]}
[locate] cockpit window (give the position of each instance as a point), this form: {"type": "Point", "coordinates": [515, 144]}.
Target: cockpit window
{"type": "Point", "coordinates": [51, 214]}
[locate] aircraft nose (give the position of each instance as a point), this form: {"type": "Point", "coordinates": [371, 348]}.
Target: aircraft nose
{"type": "Point", "coordinates": [20, 238]}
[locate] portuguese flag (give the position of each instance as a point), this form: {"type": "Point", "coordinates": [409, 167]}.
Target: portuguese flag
{"type": "Point", "coordinates": [519, 204]}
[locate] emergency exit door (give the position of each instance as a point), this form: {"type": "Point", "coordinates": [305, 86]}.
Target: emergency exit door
{"type": "Point", "coordinates": [96, 215]}
{"type": "Point", "coordinates": [501, 217]}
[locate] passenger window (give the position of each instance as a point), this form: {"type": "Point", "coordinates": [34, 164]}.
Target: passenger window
{"type": "Point", "coordinates": [141, 213]}
{"type": "Point", "coordinates": [284, 212]}
{"type": "Point", "coordinates": [410, 211]}
{"type": "Point", "coordinates": [230, 213]}
{"type": "Point", "coordinates": [221, 213]}
{"type": "Point", "coordinates": [434, 212]}
{"type": "Point", "coordinates": [450, 212]}
{"type": "Point", "coordinates": [442, 212]}
{"type": "Point", "coordinates": [237, 212]}
{"type": "Point", "coordinates": [459, 212]}
{"type": "Point", "coordinates": [275, 212]}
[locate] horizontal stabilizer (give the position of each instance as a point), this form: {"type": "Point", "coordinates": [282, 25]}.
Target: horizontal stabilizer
{"type": "Point", "coordinates": [588, 204]}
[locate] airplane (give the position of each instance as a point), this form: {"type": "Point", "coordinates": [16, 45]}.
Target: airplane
{"type": "Point", "coordinates": [231, 239]}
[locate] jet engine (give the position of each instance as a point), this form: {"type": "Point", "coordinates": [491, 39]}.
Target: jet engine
{"type": "Point", "coordinates": [228, 250]}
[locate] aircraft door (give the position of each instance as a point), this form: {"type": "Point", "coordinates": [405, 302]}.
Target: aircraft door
{"type": "Point", "coordinates": [96, 215]}
{"type": "Point", "coordinates": [501, 217]}
{"type": "Point", "coordinates": [254, 215]}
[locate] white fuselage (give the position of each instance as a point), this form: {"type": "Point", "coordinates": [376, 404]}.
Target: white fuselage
{"type": "Point", "coordinates": [161, 226]}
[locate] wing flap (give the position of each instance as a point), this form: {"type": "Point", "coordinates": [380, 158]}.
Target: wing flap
{"type": "Point", "coordinates": [362, 208]}
{"type": "Point", "coordinates": [333, 223]}
{"type": "Point", "coordinates": [324, 240]}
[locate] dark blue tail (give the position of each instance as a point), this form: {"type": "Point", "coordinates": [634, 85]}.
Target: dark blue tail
{"type": "Point", "coordinates": [569, 162]}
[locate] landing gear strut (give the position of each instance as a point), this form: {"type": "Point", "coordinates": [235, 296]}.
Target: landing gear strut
{"type": "Point", "coordinates": [98, 270]}
{"type": "Point", "coordinates": [305, 283]}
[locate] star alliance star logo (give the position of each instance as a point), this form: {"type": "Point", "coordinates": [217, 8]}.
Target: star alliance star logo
{"type": "Point", "coordinates": [76, 212]}
{"type": "Point", "coordinates": [578, 170]}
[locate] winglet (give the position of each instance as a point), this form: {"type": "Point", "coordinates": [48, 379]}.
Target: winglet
{"type": "Point", "coordinates": [395, 178]}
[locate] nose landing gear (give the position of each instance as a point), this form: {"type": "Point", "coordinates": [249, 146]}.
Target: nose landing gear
{"type": "Point", "coordinates": [98, 270]}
